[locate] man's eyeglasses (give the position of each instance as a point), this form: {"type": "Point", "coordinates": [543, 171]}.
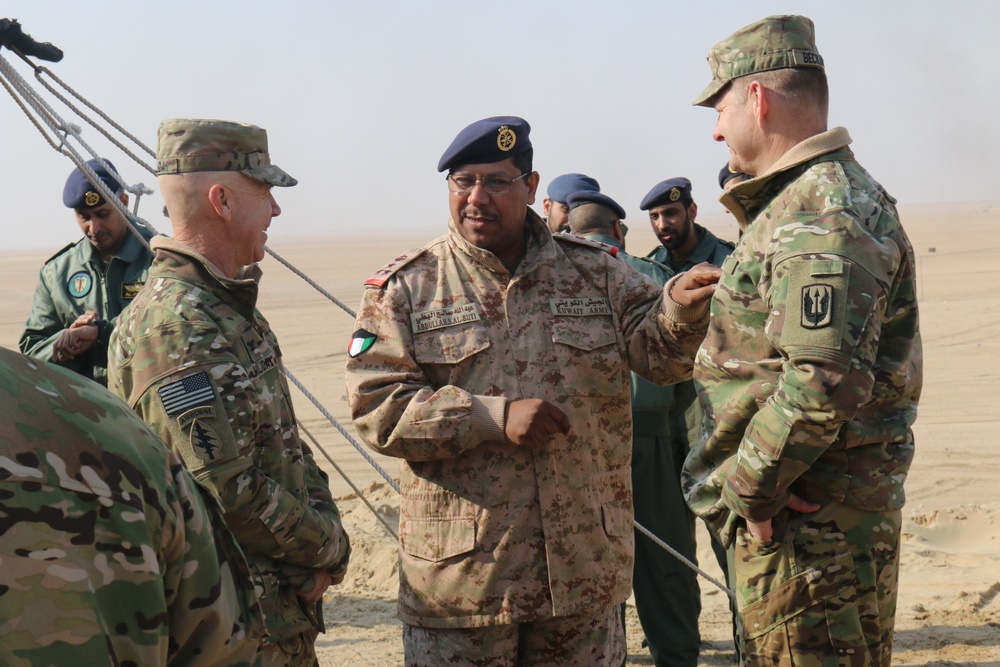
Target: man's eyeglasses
{"type": "Point", "coordinates": [461, 184]}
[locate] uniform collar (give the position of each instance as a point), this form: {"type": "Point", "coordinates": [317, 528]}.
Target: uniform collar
{"type": "Point", "coordinates": [241, 291]}
{"type": "Point", "coordinates": [605, 239]}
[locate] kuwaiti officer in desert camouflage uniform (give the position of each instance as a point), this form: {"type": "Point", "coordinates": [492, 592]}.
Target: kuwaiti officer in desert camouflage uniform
{"type": "Point", "coordinates": [494, 362]}
{"type": "Point", "coordinates": [85, 286]}
{"type": "Point", "coordinates": [812, 367]}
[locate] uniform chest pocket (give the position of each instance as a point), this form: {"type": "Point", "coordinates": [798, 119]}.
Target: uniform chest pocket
{"type": "Point", "coordinates": [590, 360]}
{"type": "Point", "coordinates": [453, 355]}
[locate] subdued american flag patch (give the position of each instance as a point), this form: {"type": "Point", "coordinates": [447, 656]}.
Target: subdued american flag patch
{"type": "Point", "coordinates": [186, 393]}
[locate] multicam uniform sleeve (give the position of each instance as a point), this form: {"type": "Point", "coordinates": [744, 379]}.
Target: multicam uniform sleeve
{"type": "Point", "coordinates": [661, 336]}
{"type": "Point", "coordinates": [826, 313]}
{"type": "Point", "coordinates": [233, 438]}
{"type": "Point", "coordinates": [395, 408]}
{"type": "Point", "coordinates": [215, 618]}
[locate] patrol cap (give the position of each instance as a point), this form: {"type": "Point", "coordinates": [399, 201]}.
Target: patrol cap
{"type": "Point", "coordinates": [575, 199]}
{"type": "Point", "coordinates": [776, 42]}
{"type": "Point", "coordinates": [562, 186]}
{"type": "Point", "coordinates": [186, 145]}
{"type": "Point", "coordinates": [489, 140]}
{"type": "Point", "coordinates": [726, 174]}
{"type": "Point", "coordinates": [79, 192]}
{"type": "Point", "coordinates": [667, 192]}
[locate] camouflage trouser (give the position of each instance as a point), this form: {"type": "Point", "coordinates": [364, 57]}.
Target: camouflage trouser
{"type": "Point", "coordinates": [297, 651]}
{"type": "Point", "coordinates": [581, 640]}
{"type": "Point", "coordinates": [823, 592]}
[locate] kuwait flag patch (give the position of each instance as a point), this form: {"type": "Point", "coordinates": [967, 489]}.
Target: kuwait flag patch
{"type": "Point", "coordinates": [361, 342]}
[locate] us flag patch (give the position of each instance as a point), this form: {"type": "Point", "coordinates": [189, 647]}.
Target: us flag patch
{"type": "Point", "coordinates": [189, 392]}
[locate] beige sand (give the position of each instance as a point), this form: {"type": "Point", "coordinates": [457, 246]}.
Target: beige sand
{"type": "Point", "coordinates": [949, 603]}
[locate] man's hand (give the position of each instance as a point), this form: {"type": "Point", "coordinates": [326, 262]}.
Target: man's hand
{"type": "Point", "coordinates": [74, 341]}
{"type": "Point", "coordinates": [763, 531]}
{"type": "Point", "coordinates": [84, 320]}
{"type": "Point", "coordinates": [532, 422]}
{"type": "Point", "coordinates": [315, 585]}
{"type": "Point", "coordinates": [696, 285]}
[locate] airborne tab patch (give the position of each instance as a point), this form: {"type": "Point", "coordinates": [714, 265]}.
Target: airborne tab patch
{"type": "Point", "coordinates": [817, 306]}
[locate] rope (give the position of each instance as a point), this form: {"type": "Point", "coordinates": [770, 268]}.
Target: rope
{"type": "Point", "coordinates": [343, 431]}
{"type": "Point", "coordinates": [673, 552]}
{"type": "Point", "coordinates": [348, 480]}
{"type": "Point", "coordinates": [310, 281]}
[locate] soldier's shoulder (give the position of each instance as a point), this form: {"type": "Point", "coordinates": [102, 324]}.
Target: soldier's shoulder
{"type": "Point", "coordinates": [573, 241]}
{"type": "Point", "coordinates": [401, 263]}
{"type": "Point", "coordinates": [62, 252]}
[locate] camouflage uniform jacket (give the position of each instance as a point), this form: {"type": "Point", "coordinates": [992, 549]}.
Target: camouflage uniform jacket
{"type": "Point", "coordinates": [75, 280]}
{"type": "Point", "coordinates": [492, 533]}
{"type": "Point", "coordinates": [710, 249]}
{"type": "Point", "coordinates": [811, 369]}
{"type": "Point", "coordinates": [196, 360]}
{"type": "Point", "coordinates": [110, 552]}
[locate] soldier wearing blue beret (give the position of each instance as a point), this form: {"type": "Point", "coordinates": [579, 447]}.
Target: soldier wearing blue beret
{"type": "Point", "coordinates": [728, 178]}
{"type": "Point", "coordinates": [494, 362]}
{"type": "Point", "coordinates": [684, 243]}
{"type": "Point", "coordinates": [83, 287]}
{"type": "Point", "coordinates": [555, 206]}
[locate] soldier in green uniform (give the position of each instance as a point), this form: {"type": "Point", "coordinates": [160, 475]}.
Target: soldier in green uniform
{"type": "Point", "coordinates": [666, 592]}
{"type": "Point", "coordinates": [198, 362]}
{"type": "Point", "coordinates": [85, 286]}
{"type": "Point", "coordinates": [110, 552]}
{"type": "Point", "coordinates": [812, 368]}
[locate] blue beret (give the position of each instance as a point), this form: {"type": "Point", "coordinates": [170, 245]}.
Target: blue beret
{"type": "Point", "coordinates": [667, 192]}
{"type": "Point", "coordinates": [562, 186]}
{"type": "Point", "coordinates": [79, 192]}
{"type": "Point", "coordinates": [590, 197]}
{"type": "Point", "coordinates": [726, 174]}
{"type": "Point", "coordinates": [489, 140]}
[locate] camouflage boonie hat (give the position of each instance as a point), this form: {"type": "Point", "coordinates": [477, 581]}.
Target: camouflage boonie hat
{"type": "Point", "coordinates": [777, 42]}
{"type": "Point", "coordinates": [185, 145]}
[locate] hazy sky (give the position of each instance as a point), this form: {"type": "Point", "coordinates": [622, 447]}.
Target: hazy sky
{"type": "Point", "coordinates": [361, 98]}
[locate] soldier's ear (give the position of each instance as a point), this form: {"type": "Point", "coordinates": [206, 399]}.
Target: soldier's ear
{"type": "Point", "coordinates": [220, 199]}
{"type": "Point", "coordinates": [532, 187]}
{"type": "Point", "coordinates": [693, 211]}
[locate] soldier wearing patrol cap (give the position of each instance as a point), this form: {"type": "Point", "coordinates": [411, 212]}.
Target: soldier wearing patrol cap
{"type": "Point", "coordinates": [198, 362]}
{"type": "Point", "coordinates": [85, 286]}
{"type": "Point", "coordinates": [555, 207]}
{"type": "Point", "coordinates": [811, 370]}
{"type": "Point", "coordinates": [494, 362]}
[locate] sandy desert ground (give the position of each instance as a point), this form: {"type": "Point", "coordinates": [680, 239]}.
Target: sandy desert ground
{"type": "Point", "coordinates": [949, 602]}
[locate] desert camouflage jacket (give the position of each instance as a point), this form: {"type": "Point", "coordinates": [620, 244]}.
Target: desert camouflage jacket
{"type": "Point", "coordinates": [811, 369]}
{"type": "Point", "coordinates": [75, 280]}
{"type": "Point", "coordinates": [110, 552]}
{"type": "Point", "coordinates": [492, 533]}
{"type": "Point", "coordinates": [197, 361]}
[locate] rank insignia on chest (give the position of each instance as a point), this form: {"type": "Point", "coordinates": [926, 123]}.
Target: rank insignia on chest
{"type": "Point", "coordinates": [79, 284]}
{"type": "Point", "coordinates": [361, 342]}
{"type": "Point", "coordinates": [817, 306]}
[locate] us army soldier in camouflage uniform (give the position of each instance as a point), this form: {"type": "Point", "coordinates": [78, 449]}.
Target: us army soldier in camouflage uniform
{"type": "Point", "coordinates": [198, 362]}
{"type": "Point", "coordinates": [109, 552]}
{"type": "Point", "coordinates": [494, 361]}
{"type": "Point", "coordinates": [811, 369]}
{"type": "Point", "coordinates": [83, 287]}
{"type": "Point", "coordinates": [667, 598]}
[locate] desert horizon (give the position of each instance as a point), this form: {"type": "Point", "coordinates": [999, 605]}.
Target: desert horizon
{"type": "Point", "coordinates": [949, 601]}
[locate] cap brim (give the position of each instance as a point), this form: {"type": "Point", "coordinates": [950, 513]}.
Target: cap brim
{"type": "Point", "coordinates": [271, 174]}
{"type": "Point", "coordinates": [707, 95]}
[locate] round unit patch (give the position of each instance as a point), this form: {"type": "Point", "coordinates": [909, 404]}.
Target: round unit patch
{"type": "Point", "coordinates": [79, 284]}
